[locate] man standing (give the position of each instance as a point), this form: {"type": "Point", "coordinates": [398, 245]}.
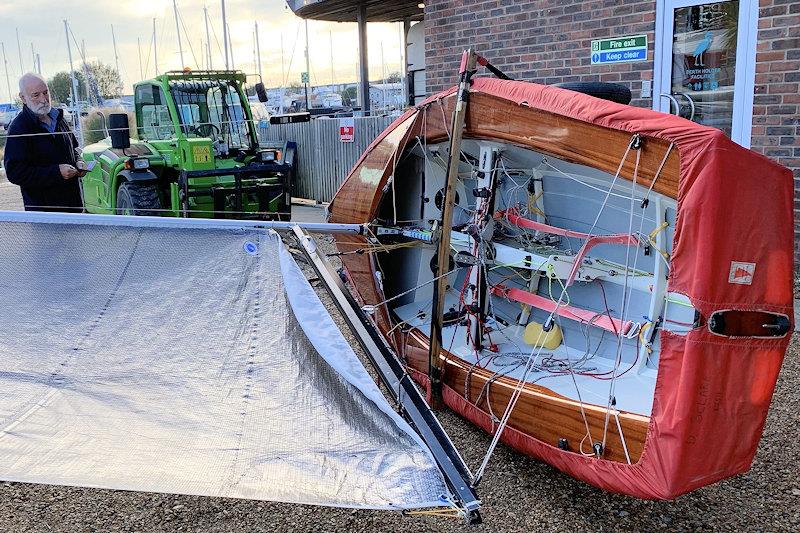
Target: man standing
{"type": "Point", "coordinates": [41, 152]}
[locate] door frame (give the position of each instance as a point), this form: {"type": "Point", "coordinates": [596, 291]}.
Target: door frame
{"type": "Point", "coordinates": [745, 74]}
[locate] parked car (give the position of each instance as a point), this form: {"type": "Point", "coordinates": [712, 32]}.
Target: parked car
{"type": "Point", "coordinates": [7, 114]}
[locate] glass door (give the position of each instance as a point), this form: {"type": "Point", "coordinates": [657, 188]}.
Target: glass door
{"type": "Point", "coordinates": [705, 63]}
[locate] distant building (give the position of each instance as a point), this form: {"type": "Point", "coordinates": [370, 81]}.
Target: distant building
{"type": "Point", "coordinates": [386, 96]}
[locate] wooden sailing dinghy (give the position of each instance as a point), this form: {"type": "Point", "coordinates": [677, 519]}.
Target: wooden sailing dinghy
{"type": "Point", "coordinates": [626, 272]}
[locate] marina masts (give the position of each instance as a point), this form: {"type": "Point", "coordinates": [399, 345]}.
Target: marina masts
{"type": "Point", "coordinates": [155, 48]}
{"type": "Point", "coordinates": [225, 36]}
{"type": "Point", "coordinates": [19, 50]}
{"type": "Point", "coordinates": [258, 53]}
{"type": "Point", "coordinates": [139, 48]}
{"type": "Point", "coordinates": [209, 65]}
{"type": "Point", "coordinates": [178, 30]}
{"type": "Point", "coordinates": [116, 55]}
{"type": "Point", "coordinates": [73, 87]}
{"type": "Point", "coordinates": [8, 79]}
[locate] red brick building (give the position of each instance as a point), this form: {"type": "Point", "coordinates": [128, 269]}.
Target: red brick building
{"type": "Point", "coordinates": [737, 62]}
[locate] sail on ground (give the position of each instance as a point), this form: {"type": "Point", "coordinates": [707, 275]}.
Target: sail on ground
{"type": "Point", "coordinates": [192, 361]}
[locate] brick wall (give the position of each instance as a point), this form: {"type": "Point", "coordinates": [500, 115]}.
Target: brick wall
{"type": "Point", "coordinates": [776, 103]}
{"type": "Point", "coordinates": [541, 41]}
{"type": "Point", "coordinates": [549, 42]}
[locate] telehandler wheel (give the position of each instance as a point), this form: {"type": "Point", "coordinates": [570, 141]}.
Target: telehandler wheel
{"type": "Point", "coordinates": [138, 199]}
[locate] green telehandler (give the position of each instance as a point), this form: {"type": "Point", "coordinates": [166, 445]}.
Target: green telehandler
{"type": "Point", "coordinates": [197, 154]}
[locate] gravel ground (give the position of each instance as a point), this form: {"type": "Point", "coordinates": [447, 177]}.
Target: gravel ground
{"type": "Point", "coordinates": [518, 493]}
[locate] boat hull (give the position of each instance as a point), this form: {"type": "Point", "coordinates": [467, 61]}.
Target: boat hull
{"type": "Point", "coordinates": [712, 393]}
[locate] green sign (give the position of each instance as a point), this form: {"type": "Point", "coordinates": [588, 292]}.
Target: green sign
{"type": "Point", "coordinates": [635, 41]}
{"type": "Point", "coordinates": [619, 49]}
{"type": "Point", "coordinates": [304, 77]}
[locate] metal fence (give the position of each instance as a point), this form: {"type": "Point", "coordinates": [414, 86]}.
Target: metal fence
{"type": "Point", "coordinates": [324, 160]}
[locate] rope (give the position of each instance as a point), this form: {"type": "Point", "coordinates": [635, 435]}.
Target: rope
{"type": "Point", "coordinates": [646, 199]}
{"type": "Point", "coordinates": [413, 289]}
{"type": "Point", "coordinates": [625, 298]}
{"type": "Point", "coordinates": [521, 383]}
{"type": "Point", "coordinates": [622, 437]}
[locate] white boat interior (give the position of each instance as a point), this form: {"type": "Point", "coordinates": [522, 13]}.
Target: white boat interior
{"type": "Point", "coordinates": [522, 221]}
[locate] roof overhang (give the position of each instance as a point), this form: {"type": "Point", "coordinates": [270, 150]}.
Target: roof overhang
{"type": "Point", "coordinates": [346, 10]}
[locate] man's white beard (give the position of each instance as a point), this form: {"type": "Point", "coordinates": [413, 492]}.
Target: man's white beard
{"type": "Point", "coordinates": [43, 109]}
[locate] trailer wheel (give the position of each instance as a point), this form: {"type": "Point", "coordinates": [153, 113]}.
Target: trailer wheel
{"type": "Point", "coordinates": [607, 91]}
{"type": "Point", "coordinates": [138, 199]}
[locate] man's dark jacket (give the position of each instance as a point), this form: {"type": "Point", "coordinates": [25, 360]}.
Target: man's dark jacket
{"type": "Point", "coordinates": [32, 163]}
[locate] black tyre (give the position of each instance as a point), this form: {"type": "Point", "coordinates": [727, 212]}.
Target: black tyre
{"type": "Point", "coordinates": [138, 199]}
{"type": "Point", "coordinates": [607, 91]}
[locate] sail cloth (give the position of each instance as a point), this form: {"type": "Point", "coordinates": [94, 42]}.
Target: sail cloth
{"type": "Point", "coordinates": [191, 361]}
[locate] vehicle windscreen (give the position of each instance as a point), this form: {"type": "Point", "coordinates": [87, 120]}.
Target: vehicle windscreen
{"type": "Point", "coordinates": [211, 109]}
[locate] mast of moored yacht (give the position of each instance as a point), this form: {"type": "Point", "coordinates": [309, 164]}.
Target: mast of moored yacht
{"type": "Point", "coordinates": [258, 53]}
{"type": "Point", "coordinates": [155, 48]}
{"type": "Point", "coordinates": [116, 55]}
{"type": "Point", "coordinates": [178, 31]}
{"type": "Point", "coordinates": [225, 36]}
{"type": "Point", "coordinates": [139, 49]}
{"type": "Point", "coordinates": [73, 87]}
{"type": "Point", "coordinates": [210, 64]}
{"type": "Point", "coordinates": [8, 79]}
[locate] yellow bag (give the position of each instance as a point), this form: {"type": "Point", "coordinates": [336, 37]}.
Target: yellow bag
{"type": "Point", "coordinates": [536, 336]}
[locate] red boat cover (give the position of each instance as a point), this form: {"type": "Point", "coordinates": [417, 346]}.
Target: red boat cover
{"type": "Point", "coordinates": [735, 218]}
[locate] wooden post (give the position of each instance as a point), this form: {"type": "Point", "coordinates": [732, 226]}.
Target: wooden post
{"type": "Point", "coordinates": [468, 66]}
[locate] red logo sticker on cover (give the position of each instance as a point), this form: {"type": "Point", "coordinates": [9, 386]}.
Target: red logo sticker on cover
{"type": "Point", "coordinates": [742, 273]}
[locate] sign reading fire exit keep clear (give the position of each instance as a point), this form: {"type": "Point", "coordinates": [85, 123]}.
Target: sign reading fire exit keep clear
{"type": "Point", "coordinates": [619, 49]}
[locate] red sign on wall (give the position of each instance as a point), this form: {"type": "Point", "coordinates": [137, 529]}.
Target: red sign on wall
{"type": "Point", "coordinates": [347, 129]}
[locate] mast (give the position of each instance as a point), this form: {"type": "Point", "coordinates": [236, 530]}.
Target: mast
{"type": "Point", "coordinates": [8, 79]}
{"type": "Point", "coordinates": [468, 66]}
{"type": "Point", "coordinates": [230, 45]}
{"type": "Point", "coordinates": [73, 87]}
{"type": "Point", "coordinates": [33, 58]}
{"type": "Point", "coordinates": [155, 48]}
{"type": "Point", "coordinates": [19, 50]}
{"type": "Point", "coordinates": [225, 36]}
{"type": "Point", "coordinates": [210, 65]}
{"type": "Point", "coordinates": [116, 55]}
{"type": "Point", "coordinates": [258, 53]}
{"type": "Point", "coordinates": [255, 60]}
{"type": "Point", "coordinates": [38, 63]}
{"type": "Point", "coordinates": [86, 73]}
{"type": "Point", "coordinates": [139, 48]}
{"type": "Point", "coordinates": [178, 29]}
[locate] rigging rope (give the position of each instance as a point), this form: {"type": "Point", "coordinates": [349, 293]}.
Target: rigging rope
{"type": "Point", "coordinates": [625, 300]}
{"type": "Point", "coordinates": [521, 383]}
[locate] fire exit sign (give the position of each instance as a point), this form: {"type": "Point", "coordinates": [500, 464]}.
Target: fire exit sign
{"type": "Point", "coordinates": [619, 49]}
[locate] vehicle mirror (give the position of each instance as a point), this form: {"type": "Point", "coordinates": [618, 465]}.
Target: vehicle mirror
{"type": "Point", "coordinates": [119, 131]}
{"type": "Point", "coordinates": [261, 92]}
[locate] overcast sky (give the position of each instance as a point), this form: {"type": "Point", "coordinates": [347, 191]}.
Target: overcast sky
{"type": "Point", "coordinates": [41, 22]}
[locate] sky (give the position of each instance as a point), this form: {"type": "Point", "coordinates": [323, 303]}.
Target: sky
{"type": "Point", "coordinates": [41, 23]}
